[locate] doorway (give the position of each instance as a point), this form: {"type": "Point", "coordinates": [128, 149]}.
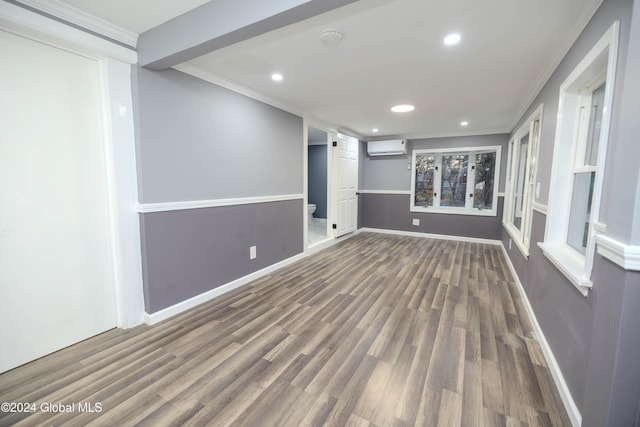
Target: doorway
{"type": "Point", "coordinates": [317, 186]}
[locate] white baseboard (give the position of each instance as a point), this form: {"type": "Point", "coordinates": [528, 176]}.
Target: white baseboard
{"type": "Point", "coordinates": [159, 316]}
{"type": "Point", "coordinates": [317, 247]}
{"type": "Point", "coordinates": [569, 404]}
{"type": "Point", "coordinates": [430, 236]}
{"type": "Point", "coordinates": [572, 410]}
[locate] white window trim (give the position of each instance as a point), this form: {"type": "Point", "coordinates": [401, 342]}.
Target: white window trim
{"type": "Point", "coordinates": [522, 237]}
{"type": "Point", "coordinates": [453, 210]}
{"type": "Point", "coordinates": [575, 266]}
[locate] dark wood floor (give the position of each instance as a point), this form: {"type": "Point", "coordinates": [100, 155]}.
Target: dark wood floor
{"type": "Point", "coordinates": [379, 330]}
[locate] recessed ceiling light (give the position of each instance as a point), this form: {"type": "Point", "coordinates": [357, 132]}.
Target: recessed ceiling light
{"type": "Point", "coordinates": [374, 130]}
{"type": "Point", "coordinates": [277, 77]}
{"type": "Point", "coordinates": [404, 108]}
{"type": "Point", "coordinates": [465, 123]}
{"type": "Point", "coordinates": [452, 39]}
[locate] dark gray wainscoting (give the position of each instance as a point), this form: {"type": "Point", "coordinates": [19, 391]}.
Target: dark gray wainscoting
{"type": "Point", "coordinates": [391, 212]}
{"type": "Point", "coordinates": [592, 351]}
{"type": "Point", "coordinates": [189, 252]}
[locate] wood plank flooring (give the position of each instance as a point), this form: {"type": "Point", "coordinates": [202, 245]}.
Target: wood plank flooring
{"type": "Point", "coordinates": [379, 330]}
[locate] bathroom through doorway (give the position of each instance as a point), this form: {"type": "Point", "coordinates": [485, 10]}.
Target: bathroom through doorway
{"type": "Point", "coordinates": [317, 186]}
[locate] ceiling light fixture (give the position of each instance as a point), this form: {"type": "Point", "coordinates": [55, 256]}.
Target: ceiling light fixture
{"type": "Point", "coordinates": [331, 36]}
{"type": "Point", "coordinates": [277, 77]}
{"type": "Point", "coordinates": [452, 39]}
{"type": "Point", "coordinates": [465, 123]}
{"type": "Point", "coordinates": [375, 130]}
{"type": "Point", "coordinates": [404, 108]}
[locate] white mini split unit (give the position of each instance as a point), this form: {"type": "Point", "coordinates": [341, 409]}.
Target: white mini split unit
{"type": "Point", "coordinates": [392, 147]}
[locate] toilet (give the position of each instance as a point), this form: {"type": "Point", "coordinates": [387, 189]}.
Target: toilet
{"type": "Point", "coordinates": [311, 207]}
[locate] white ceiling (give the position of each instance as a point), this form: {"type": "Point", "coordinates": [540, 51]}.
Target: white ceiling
{"type": "Point", "coordinates": [392, 53]}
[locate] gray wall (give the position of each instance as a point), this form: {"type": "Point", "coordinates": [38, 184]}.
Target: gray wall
{"type": "Point", "coordinates": [391, 211]}
{"type": "Point", "coordinates": [595, 340]}
{"type": "Point", "coordinates": [198, 141]}
{"type": "Point", "coordinates": [189, 252]}
{"type": "Point", "coordinates": [623, 173]}
{"type": "Point", "coordinates": [317, 172]}
{"type": "Point", "coordinates": [624, 224]}
{"type": "Point", "coordinates": [391, 173]}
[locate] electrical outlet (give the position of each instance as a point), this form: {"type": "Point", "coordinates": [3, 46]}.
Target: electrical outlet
{"type": "Point", "coordinates": [252, 252]}
{"type": "Point", "coordinates": [416, 221]}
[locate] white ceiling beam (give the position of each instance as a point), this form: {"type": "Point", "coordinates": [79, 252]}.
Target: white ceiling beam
{"type": "Point", "coordinates": [220, 23]}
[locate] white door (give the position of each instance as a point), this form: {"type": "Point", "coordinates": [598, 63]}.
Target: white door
{"type": "Point", "coordinates": [346, 164]}
{"type": "Point", "coordinates": [56, 269]}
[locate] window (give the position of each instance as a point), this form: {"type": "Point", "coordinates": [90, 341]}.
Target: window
{"type": "Point", "coordinates": [585, 166]}
{"type": "Point", "coordinates": [458, 181]}
{"type": "Point", "coordinates": [523, 153]}
{"type": "Point", "coordinates": [580, 150]}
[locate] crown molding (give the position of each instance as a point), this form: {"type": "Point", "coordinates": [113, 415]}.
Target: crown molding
{"type": "Point", "coordinates": [432, 135]}
{"type": "Point", "coordinates": [25, 22]}
{"type": "Point", "coordinates": [84, 20]}
{"type": "Point", "coordinates": [237, 87]}
{"type": "Point", "coordinates": [581, 24]}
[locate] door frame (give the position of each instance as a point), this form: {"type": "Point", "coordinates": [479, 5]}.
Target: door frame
{"type": "Point", "coordinates": [114, 64]}
{"type": "Point", "coordinates": [311, 121]}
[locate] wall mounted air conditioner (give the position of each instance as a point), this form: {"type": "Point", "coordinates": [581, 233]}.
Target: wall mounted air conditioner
{"type": "Point", "coordinates": [392, 147]}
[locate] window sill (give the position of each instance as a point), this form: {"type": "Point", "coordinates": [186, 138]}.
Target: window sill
{"type": "Point", "coordinates": [455, 211]}
{"type": "Point", "coordinates": [524, 249]}
{"type": "Point", "coordinates": [569, 264]}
